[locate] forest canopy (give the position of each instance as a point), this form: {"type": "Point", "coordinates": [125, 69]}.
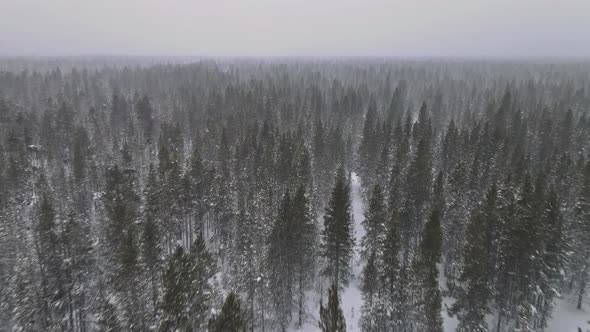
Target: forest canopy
{"type": "Point", "coordinates": [141, 194]}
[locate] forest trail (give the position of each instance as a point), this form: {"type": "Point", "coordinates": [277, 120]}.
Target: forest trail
{"type": "Point", "coordinates": [351, 298]}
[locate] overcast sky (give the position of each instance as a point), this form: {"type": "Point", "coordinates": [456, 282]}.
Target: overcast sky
{"type": "Point", "coordinates": [296, 27]}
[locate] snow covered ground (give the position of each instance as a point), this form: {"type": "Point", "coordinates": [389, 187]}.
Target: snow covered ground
{"type": "Point", "coordinates": [351, 298]}
{"type": "Point", "coordinates": [565, 316]}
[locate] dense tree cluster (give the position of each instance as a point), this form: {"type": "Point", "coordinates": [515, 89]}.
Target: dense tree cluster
{"type": "Point", "coordinates": [216, 195]}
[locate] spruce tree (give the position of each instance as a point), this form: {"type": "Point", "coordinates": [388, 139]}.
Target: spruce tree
{"type": "Point", "coordinates": [338, 240]}
{"type": "Point", "coordinates": [554, 257]}
{"type": "Point", "coordinates": [369, 147]}
{"type": "Point", "coordinates": [246, 261]}
{"type": "Point", "coordinates": [78, 264]}
{"type": "Point", "coordinates": [202, 270]}
{"type": "Point", "coordinates": [144, 114]}
{"type": "Point", "coordinates": [369, 288]}
{"type": "Point", "coordinates": [151, 246]}
{"type": "Point", "coordinates": [176, 288]}
{"type": "Point", "coordinates": [473, 302]}
{"type": "Point", "coordinates": [230, 319]}
{"type": "Point", "coordinates": [582, 227]}
{"type": "Point", "coordinates": [122, 247]}
{"type": "Point", "coordinates": [281, 263]}
{"type": "Point", "coordinates": [331, 317]}
{"type": "Point", "coordinates": [414, 210]}
{"type": "Point", "coordinates": [429, 306]}
{"type": "Point", "coordinates": [374, 223]}
{"type": "Point", "coordinates": [50, 264]}
{"type": "Point", "coordinates": [80, 153]}
{"type": "Point", "coordinates": [304, 233]}
{"type": "Point", "coordinates": [187, 293]}
{"type": "Point", "coordinates": [392, 292]}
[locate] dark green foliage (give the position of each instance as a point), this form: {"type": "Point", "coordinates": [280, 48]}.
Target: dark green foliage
{"type": "Point", "coordinates": [121, 205]}
{"type": "Point", "coordinates": [187, 293]}
{"type": "Point", "coordinates": [122, 242]}
{"type": "Point", "coordinates": [290, 255]}
{"type": "Point", "coordinates": [337, 235]}
{"type": "Point", "coordinates": [176, 284]}
{"type": "Point", "coordinates": [392, 288]}
{"type": "Point", "coordinates": [331, 317]}
{"type": "Point", "coordinates": [426, 273]}
{"type": "Point", "coordinates": [473, 303]}
{"type": "Point", "coordinates": [151, 241]}
{"type": "Point", "coordinates": [50, 265]}
{"type": "Point", "coordinates": [81, 153]}
{"type": "Point", "coordinates": [281, 262]}
{"type": "Point", "coordinates": [231, 317]}
{"type": "Point", "coordinates": [370, 286]}
{"type": "Point", "coordinates": [144, 113]}
{"type": "Point", "coordinates": [582, 229]}
{"type": "Point", "coordinates": [374, 223]}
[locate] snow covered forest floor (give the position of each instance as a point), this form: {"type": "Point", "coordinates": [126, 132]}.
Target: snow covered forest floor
{"type": "Point", "coordinates": [565, 316]}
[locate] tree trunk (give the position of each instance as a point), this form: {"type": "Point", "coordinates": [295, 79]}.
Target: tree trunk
{"type": "Point", "coordinates": [581, 293]}
{"type": "Point", "coordinates": [499, 325]}
{"type": "Point", "coordinates": [337, 267]}
{"type": "Point", "coordinates": [301, 297]}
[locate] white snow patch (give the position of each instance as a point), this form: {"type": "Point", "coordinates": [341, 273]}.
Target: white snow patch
{"type": "Point", "coordinates": [566, 318]}
{"type": "Point", "coordinates": [351, 298]}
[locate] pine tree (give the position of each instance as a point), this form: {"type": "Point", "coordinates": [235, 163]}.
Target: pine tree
{"type": "Point", "coordinates": [369, 147]}
{"type": "Point", "coordinates": [304, 233]}
{"type": "Point", "coordinates": [144, 114]}
{"type": "Point", "coordinates": [28, 305]}
{"type": "Point", "coordinates": [374, 222]}
{"type": "Point", "coordinates": [582, 227]}
{"type": "Point", "coordinates": [176, 289]}
{"type": "Point", "coordinates": [50, 258]}
{"type": "Point", "coordinates": [281, 259]}
{"type": "Point", "coordinates": [331, 317]}
{"type": "Point", "coordinates": [369, 288]}
{"type": "Point", "coordinates": [78, 263]}
{"type": "Point", "coordinates": [338, 240]}
{"type": "Point", "coordinates": [246, 261]}
{"type": "Point", "coordinates": [230, 319]}
{"type": "Point", "coordinates": [151, 246]}
{"type": "Point", "coordinates": [429, 298]}
{"type": "Point", "coordinates": [199, 188]}
{"type": "Point", "coordinates": [527, 242]}
{"type": "Point", "coordinates": [122, 242]}
{"type": "Point", "coordinates": [81, 153]}
{"type": "Point", "coordinates": [392, 291]}
{"type": "Point", "coordinates": [187, 293]}
{"type": "Point", "coordinates": [473, 302]}
{"type": "Point", "coordinates": [554, 257]}
{"type": "Point", "coordinates": [203, 269]}
{"type": "Point", "coordinates": [418, 195]}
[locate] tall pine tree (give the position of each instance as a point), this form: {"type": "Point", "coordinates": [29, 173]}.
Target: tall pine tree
{"type": "Point", "coordinates": [338, 238]}
{"type": "Point", "coordinates": [331, 317]}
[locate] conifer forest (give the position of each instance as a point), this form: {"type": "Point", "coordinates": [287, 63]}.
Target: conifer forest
{"type": "Point", "coordinates": [294, 194]}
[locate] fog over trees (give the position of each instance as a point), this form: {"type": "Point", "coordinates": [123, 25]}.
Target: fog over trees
{"type": "Point", "coordinates": [312, 194]}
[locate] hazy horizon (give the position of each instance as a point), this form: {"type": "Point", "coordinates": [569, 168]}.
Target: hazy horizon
{"type": "Point", "coordinates": [265, 28]}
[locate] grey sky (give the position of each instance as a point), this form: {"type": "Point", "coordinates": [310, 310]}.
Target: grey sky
{"type": "Point", "coordinates": [296, 27]}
